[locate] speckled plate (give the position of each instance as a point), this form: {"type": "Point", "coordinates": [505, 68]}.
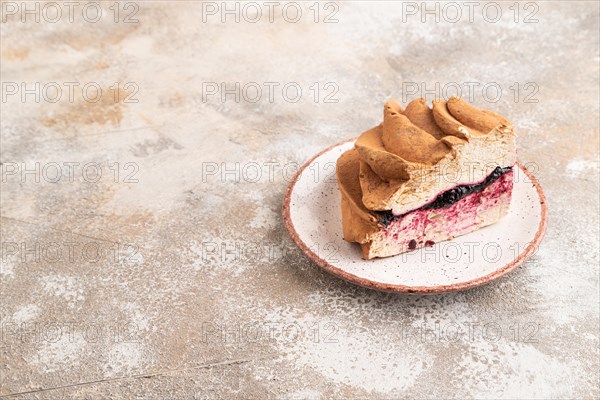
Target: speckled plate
{"type": "Point", "coordinates": [312, 215]}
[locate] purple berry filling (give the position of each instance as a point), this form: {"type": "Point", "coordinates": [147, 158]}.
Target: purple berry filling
{"type": "Point", "coordinates": [449, 197]}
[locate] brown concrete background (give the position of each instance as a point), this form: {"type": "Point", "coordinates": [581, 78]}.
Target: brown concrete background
{"type": "Point", "coordinates": [212, 300]}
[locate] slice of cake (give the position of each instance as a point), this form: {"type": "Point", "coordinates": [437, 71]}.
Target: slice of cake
{"type": "Point", "coordinates": [426, 175]}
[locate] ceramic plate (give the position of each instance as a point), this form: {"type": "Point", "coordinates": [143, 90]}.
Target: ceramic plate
{"type": "Point", "coordinates": [312, 215]}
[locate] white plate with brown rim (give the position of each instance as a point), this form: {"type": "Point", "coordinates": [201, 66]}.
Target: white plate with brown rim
{"type": "Point", "coordinates": [312, 215]}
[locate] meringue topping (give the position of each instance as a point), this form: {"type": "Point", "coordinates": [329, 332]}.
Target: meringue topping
{"type": "Point", "coordinates": [418, 152]}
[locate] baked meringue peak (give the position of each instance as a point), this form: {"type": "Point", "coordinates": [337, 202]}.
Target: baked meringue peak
{"type": "Point", "coordinates": [413, 147]}
{"type": "Point", "coordinates": [408, 141]}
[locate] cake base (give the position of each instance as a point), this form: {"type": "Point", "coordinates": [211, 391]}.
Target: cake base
{"type": "Point", "coordinates": [425, 227]}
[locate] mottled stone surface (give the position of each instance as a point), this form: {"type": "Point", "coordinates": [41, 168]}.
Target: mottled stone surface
{"type": "Point", "coordinates": [197, 290]}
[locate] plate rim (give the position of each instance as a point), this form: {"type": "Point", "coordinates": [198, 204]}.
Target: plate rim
{"type": "Point", "coordinates": [395, 288]}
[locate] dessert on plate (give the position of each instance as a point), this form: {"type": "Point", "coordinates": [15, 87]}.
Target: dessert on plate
{"type": "Point", "coordinates": [425, 175]}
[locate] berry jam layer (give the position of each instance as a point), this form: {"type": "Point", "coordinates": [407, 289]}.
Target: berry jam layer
{"type": "Point", "coordinates": [449, 197]}
{"type": "Point", "coordinates": [476, 208]}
